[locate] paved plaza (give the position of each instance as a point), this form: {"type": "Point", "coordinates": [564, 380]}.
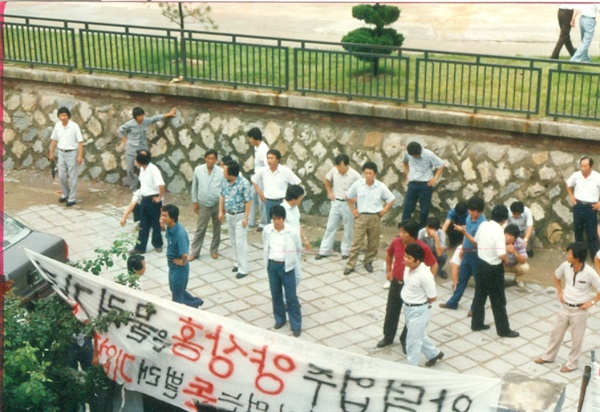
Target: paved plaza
{"type": "Point", "coordinates": [343, 312]}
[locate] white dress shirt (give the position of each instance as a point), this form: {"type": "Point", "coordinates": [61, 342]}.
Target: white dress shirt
{"type": "Point", "coordinates": [150, 180]}
{"type": "Point", "coordinates": [491, 243]}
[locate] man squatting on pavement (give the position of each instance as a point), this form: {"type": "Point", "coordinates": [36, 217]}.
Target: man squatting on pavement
{"type": "Point", "coordinates": [206, 189]}
{"type": "Point", "coordinates": [235, 203]}
{"type": "Point", "coordinates": [419, 165]}
{"type": "Point", "coordinates": [365, 198]}
{"type": "Point", "coordinates": [67, 136]}
{"type": "Point", "coordinates": [178, 246]}
{"type": "Point", "coordinates": [418, 293]}
{"type": "Point", "coordinates": [337, 182]}
{"type": "Point", "coordinates": [579, 280]}
{"type": "Point", "coordinates": [394, 262]}
{"type": "Point", "coordinates": [133, 134]}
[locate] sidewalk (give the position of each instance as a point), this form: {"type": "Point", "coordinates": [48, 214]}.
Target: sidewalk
{"type": "Point", "coordinates": [344, 312]}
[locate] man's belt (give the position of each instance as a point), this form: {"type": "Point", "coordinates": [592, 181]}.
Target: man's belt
{"type": "Point", "coordinates": [340, 200]}
{"type": "Point", "coordinates": [274, 200]}
{"type": "Point", "coordinates": [235, 213]}
{"type": "Point", "coordinates": [573, 306]}
{"type": "Point", "coordinates": [585, 203]}
{"type": "Point", "coordinates": [411, 305]}
{"type": "Point", "coordinates": [66, 151]}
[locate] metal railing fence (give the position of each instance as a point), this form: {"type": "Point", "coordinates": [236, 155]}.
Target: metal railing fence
{"type": "Point", "coordinates": [426, 77]}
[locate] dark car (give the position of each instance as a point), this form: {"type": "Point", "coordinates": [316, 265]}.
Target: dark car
{"type": "Point", "coordinates": [26, 281]}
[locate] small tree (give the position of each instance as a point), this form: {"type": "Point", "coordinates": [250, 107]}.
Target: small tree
{"type": "Point", "coordinates": [380, 16]}
{"type": "Point", "coordinates": [179, 12]}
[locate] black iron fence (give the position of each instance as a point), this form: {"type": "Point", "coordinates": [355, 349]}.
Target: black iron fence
{"type": "Point", "coordinates": [559, 89]}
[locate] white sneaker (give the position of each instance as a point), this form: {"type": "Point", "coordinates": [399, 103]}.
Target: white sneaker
{"type": "Point", "coordinates": [386, 285]}
{"type": "Point", "coordinates": [520, 283]}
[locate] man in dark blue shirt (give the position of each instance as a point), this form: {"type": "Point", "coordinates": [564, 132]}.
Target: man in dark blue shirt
{"type": "Point", "coordinates": [178, 246]}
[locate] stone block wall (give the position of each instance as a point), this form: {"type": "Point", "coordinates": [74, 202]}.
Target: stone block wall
{"type": "Point", "coordinates": [499, 166]}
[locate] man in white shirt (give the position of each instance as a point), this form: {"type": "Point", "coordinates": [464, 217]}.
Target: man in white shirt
{"type": "Point", "coordinates": [435, 239]}
{"type": "Point", "coordinates": [281, 251]}
{"type": "Point", "coordinates": [369, 200]}
{"type": "Point", "coordinates": [491, 251]}
{"type": "Point", "coordinates": [67, 136]}
{"type": "Point", "coordinates": [418, 293]}
{"type": "Point", "coordinates": [274, 179]}
{"type": "Point", "coordinates": [152, 190]}
{"type": "Point", "coordinates": [255, 138]}
{"type": "Point", "coordinates": [521, 216]}
{"type": "Point", "coordinates": [206, 189]}
{"type": "Point", "coordinates": [291, 204]}
{"type": "Point", "coordinates": [580, 280]}
{"type": "Point", "coordinates": [583, 188]}
{"type": "Point", "coordinates": [337, 182]}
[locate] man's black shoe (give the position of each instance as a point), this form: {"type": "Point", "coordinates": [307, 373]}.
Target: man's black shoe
{"type": "Point", "coordinates": [319, 257]}
{"type": "Point", "coordinates": [62, 199]}
{"type": "Point", "coordinates": [279, 325]}
{"type": "Point", "coordinates": [235, 269]}
{"type": "Point", "coordinates": [511, 334]}
{"type": "Point", "coordinates": [443, 274]}
{"type": "Point", "coordinates": [345, 257]}
{"type": "Point", "coordinates": [434, 360]}
{"type": "Point", "coordinates": [348, 271]}
{"type": "Point", "coordinates": [484, 327]}
{"type": "Point", "coordinates": [369, 267]}
{"type": "Point", "coordinates": [69, 204]}
{"type": "Point", "coordinates": [297, 332]}
{"type": "Point", "coordinates": [530, 253]}
{"type": "Point", "coordinates": [241, 275]}
{"type": "Point", "coordinates": [384, 342]}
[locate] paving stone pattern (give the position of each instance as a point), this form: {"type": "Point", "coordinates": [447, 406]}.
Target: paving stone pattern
{"type": "Point", "coordinates": [343, 312]}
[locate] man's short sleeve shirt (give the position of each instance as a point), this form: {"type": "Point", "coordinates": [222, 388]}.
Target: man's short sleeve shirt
{"type": "Point", "coordinates": [341, 182]}
{"type": "Point", "coordinates": [397, 248]}
{"type": "Point", "coordinates": [236, 195]}
{"type": "Point", "coordinates": [456, 218]}
{"type": "Point", "coordinates": [585, 189]}
{"type": "Point", "coordinates": [369, 198]}
{"type": "Point", "coordinates": [178, 243]}
{"type": "Point", "coordinates": [472, 228]}
{"type": "Point", "coordinates": [523, 221]}
{"type": "Point", "coordinates": [577, 285]}
{"type": "Point", "coordinates": [521, 250]}
{"type": "Point", "coordinates": [67, 137]}
{"type": "Point", "coordinates": [150, 180]}
{"type": "Point", "coordinates": [420, 169]}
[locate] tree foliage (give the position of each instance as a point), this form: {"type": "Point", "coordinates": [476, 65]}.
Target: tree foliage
{"type": "Point", "coordinates": [180, 11]}
{"type": "Point", "coordinates": [40, 373]}
{"type": "Point", "coordinates": [379, 16]}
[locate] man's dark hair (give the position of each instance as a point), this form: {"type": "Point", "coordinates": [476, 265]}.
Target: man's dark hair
{"type": "Point", "coordinates": [275, 153]}
{"type": "Point", "coordinates": [226, 159]}
{"type": "Point", "coordinates": [134, 263]}
{"type": "Point", "coordinates": [578, 250]}
{"type": "Point", "coordinates": [137, 111]}
{"type": "Point", "coordinates": [293, 192]}
{"type": "Point", "coordinates": [499, 213]}
{"type": "Point", "coordinates": [415, 251]}
{"type": "Point", "coordinates": [172, 211]}
{"type": "Point", "coordinates": [517, 207]}
{"type": "Point", "coordinates": [278, 211]}
{"type": "Point", "coordinates": [461, 208]}
{"type": "Point", "coordinates": [410, 226]}
{"type": "Point", "coordinates": [433, 223]}
{"type": "Point", "coordinates": [255, 133]}
{"type": "Point", "coordinates": [475, 203]}
{"type": "Point", "coordinates": [233, 168]}
{"type": "Point", "coordinates": [211, 152]}
{"type": "Point", "coordinates": [414, 149]}
{"type": "Point", "coordinates": [512, 230]}
{"type": "Point", "coordinates": [143, 157]}
{"type": "Point", "coordinates": [342, 158]}
{"type": "Point", "coordinates": [371, 166]}
{"type": "Point", "coordinates": [64, 110]}
{"type": "Point", "coordinates": [589, 159]}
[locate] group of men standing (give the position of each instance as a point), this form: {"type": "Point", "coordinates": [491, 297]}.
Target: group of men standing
{"type": "Point", "coordinates": [484, 249]}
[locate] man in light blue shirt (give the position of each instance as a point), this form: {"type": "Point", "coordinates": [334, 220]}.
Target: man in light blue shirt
{"type": "Point", "coordinates": [419, 165]}
{"type": "Point", "coordinates": [133, 134]}
{"type": "Point", "coordinates": [206, 189]}
{"type": "Point", "coordinates": [369, 200]}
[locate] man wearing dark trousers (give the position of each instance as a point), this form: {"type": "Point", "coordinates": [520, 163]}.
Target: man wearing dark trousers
{"type": "Point", "coordinates": [419, 165]}
{"type": "Point", "coordinates": [489, 281]}
{"type": "Point", "coordinates": [583, 188]}
{"type": "Point", "coordinates": [152, 189]}
{"type": "Point", "coordinates": [394, 261]}
{"type": "Point", "coordinates": [565, 15]}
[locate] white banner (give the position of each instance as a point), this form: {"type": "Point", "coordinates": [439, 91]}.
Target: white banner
{"type": "Point", "coordinates": [182, 355]}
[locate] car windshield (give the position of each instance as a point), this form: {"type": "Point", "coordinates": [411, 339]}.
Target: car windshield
{"type": "Point", "coordinates": [14, 232]}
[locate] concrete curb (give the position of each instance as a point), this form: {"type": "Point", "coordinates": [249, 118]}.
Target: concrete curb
{"type": "Point", "coordinates": [541, 127]}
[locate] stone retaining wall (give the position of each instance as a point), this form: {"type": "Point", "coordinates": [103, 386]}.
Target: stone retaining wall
{"type": "Point", "coordinates": [501, 166]}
